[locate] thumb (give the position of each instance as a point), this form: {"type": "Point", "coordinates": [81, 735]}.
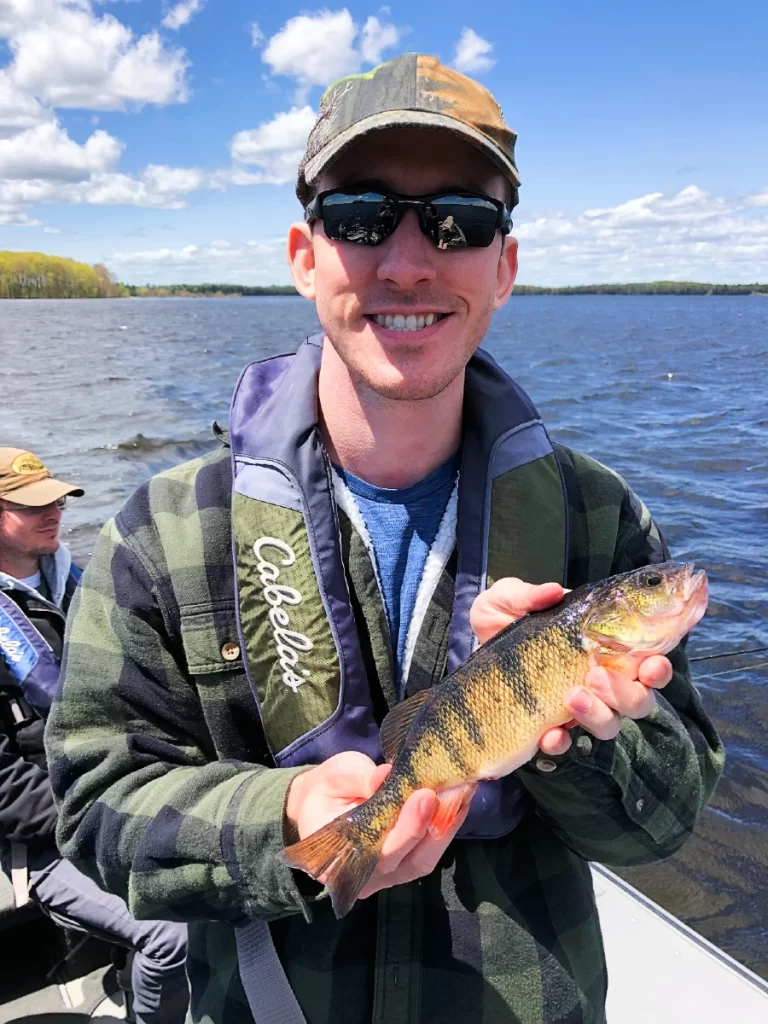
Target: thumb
{"type": "Point", "coordinates": [376, 778]}
{"type": "Point", "coordinates": [517, 598]}
{"type": "Point", "coordinates": [350, 771]}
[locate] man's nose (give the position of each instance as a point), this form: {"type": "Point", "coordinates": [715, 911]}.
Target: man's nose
{"type": "Point", "coordinates": [51, 514]}
{"type": "Point", "coordinates": [407, 256]}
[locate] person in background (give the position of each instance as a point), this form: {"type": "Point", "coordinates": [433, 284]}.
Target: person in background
{"type": "Point", "coordinates": [248, 619]}
{"type": "Point", "coordinates": [37, 581]}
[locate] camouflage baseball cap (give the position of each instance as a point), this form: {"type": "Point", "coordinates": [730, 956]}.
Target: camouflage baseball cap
{"type": "Point", "coordinates": [412, 90]}
{"type": "Point", "coordinates": [24, 480]}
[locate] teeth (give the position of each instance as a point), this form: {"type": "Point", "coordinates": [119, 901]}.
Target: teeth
{"type": "Point", "coordinates": [412, 322]}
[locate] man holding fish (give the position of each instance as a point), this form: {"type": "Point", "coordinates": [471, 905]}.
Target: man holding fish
{"type": "Point", "coordinates": [262, 632]}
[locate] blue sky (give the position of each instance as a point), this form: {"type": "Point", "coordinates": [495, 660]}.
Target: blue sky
{"type": "Point", "coordinates": [162, 138]}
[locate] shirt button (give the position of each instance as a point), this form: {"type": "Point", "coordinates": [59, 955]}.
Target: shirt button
{"type": "Point", "coordinates": [640, 804]}
{"type": "Point", "coordinates": [230, 652]}
{"type": "Point", "coordinates": [545, 765]}
{"type": "Point", "coordinates": [584, 746]}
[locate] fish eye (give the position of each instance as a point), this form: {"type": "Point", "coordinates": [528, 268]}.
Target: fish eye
{"type": "Point", "coordinates": [652, 579]}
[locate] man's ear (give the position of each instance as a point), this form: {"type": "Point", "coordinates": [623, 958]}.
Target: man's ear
{"type": "Point", "coordinates": [506, 271]}
{"type": "Point", "coordinates": [301, 258]}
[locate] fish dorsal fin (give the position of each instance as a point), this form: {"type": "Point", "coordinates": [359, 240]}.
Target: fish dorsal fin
{"type": "Point", "coordinates": [395, 726]}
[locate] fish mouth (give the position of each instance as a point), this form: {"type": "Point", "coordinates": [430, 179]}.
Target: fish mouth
{"type": "Point", "coordinates": [695, 595]}
{"type": "Point", "coordinates": [694, 581]}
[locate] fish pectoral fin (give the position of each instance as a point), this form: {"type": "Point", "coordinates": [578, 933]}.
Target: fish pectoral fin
{"type": "Point", "coordinates": [395, 726]}
{"type": "Point", "coordinates": [450, 803]}
{"type": "Point", "coordinates": [609, 643]}
{"type": "Point", "coordinates": [619, 662]}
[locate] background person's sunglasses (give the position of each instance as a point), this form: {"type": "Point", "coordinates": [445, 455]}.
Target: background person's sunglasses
{"type": "Point", "coordinates": [452, 220]}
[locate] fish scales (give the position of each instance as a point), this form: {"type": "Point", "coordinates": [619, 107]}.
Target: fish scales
{"type": "Point", "coordinates": [487, 717]}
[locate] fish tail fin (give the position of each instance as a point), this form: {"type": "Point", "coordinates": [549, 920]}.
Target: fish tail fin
{"type": "Point", "coordinates": [341, 853]}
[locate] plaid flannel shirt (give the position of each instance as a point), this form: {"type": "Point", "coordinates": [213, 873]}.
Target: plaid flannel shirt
{"type": "Point", "coordinates": [158, 761]}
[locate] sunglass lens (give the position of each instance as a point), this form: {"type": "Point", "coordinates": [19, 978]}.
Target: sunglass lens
{"type": "Point", "coordinates": [461, 222]}
{"type": "Point", "coordinates": [367, 218]}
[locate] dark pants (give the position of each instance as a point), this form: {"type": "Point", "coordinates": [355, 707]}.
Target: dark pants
{"type": "Point", "coordinates": [160, 993]}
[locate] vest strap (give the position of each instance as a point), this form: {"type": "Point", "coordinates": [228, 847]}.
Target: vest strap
{"type": "Point", "coordinates": [269, 994]}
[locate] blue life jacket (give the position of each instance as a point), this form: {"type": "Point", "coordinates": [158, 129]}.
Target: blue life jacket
{"type": "Point", "coordinates": [28, 655]}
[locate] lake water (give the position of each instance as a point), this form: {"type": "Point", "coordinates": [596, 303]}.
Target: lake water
{"type": "Point", "coordinates": [670, 391]}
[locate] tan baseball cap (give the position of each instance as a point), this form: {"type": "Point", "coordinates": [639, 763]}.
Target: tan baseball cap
{"type": "Point", "coordinates": [413, 90]}
{"type": "Point", "coordinates": [24, 480]}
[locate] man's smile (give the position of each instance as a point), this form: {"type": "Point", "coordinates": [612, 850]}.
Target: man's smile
{"type": "Point", "coordinates": [407, 321]}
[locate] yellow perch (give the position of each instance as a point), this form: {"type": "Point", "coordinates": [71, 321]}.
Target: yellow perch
{"type": "Point", "coordinates": [486, 719]}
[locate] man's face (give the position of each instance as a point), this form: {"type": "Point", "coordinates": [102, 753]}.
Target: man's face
{"type": "Point", "coordinates": [29, 531]}
{"type": "Point", "coordinates": [407, 274]}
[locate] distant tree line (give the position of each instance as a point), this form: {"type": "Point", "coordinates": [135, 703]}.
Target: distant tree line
{"type": "Point", "coordinates": [181, 291]}
{"type": "Point", "coordinates": [648, 288]}
{"type": "Point", "coordinates": [33, 275]}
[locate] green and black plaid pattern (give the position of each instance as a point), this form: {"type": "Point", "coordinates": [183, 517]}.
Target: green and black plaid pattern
{"type": "Point", "coordinates": [158, 761]}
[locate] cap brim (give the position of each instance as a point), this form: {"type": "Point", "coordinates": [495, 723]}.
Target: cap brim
{"type": "Point", "coordinates": [43, 493]}
{"type": "Point", "coordinates": [408, 119]}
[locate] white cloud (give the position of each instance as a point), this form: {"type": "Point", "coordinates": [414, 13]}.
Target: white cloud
{"type": "Point", "coordinates": [220, 260]}
{"type": "Point", "coordinates": [758, 198]}
{"type": "Point", "coordinates": [165, 180]}
{"type": "Point", "coordinates": [275, 146]}
{"type": "Point", "coordinates": [12, 217]}
{"type": "Point", "coordinates": [257, 36]}
{"type": "Point", "coordinates": [18, 110]}
{"type": "Point", "coordinates": [178, 257]}
{"type": "Point", "coordinates": [65, 55]}
{"type": "Point", "coordinates": [157, 187]}
{"type": "Point", "coordinates": [472, 53]}
{"type": "Point", "coordinates": [375, 38]}
{"type": "Point", "coordinates": [316, 49]}
{"type": "Point", "coordinates": [182, 14]}
{"type": "Point", "coordinates": [48, 152]}
{"type": "Point", "coordinates": [691, 235]}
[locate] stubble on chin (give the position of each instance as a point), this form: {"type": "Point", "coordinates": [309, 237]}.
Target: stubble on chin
{"type": "Point", "coordinates": [402, 381]}
{"type": "Point", "coordinates": [413, 390]}
{"type": "Point", "coordinates": [49, 548]}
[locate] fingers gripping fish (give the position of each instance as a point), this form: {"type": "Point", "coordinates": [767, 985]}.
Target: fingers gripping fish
{"type": "Point", "coordinates": [486, 718]}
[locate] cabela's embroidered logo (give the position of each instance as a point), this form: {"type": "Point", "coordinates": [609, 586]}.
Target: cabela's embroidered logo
{"type": "Point", "coordinates": [289, 644]}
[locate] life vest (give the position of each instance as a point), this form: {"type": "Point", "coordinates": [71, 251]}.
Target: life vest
{"type": "Point", "coordinates": [299, 640]}
{"type": "Point", "coordinates": [27, 653]}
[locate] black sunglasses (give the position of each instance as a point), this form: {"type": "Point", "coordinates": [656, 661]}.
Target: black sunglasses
{"type": "Point", "coordinates": [452, 220]}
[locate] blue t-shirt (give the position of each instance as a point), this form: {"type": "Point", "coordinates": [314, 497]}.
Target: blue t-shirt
{"type": "Point", "coordinates": [402, 524]}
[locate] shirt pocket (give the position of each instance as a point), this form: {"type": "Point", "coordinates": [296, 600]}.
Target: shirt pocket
{"type": "Point", "coordinates": [210, 640]}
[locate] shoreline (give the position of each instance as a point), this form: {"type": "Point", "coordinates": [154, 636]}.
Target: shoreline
{"type": "Point", "coordinates": [224, 292]}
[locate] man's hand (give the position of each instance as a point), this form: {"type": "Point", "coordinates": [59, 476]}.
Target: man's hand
{"type": "Point", "coordinates": [342, 782]}
{"type": "Point", "coordinates": [608, 695]}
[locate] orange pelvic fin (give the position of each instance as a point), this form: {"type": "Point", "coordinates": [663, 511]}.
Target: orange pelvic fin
{"type": "Point", "coordinates": [340, 854]}
{"type": "Point", "coordinates": [450, 803]}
